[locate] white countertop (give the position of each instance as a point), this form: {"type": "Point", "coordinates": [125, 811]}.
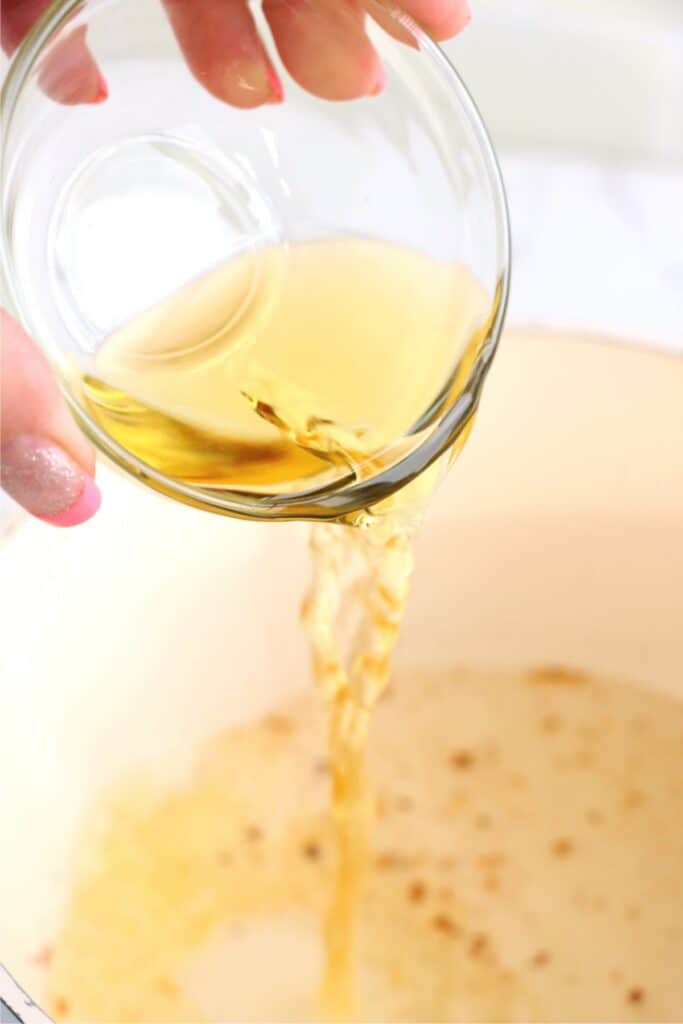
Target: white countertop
{"type": "Point", "coordinates": [597, 246]}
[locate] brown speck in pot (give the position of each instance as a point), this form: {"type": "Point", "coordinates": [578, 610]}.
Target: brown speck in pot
{"type": "Point", "coordinates": [479, 945]}
{"type": "Point", "coordinates": [492, 859]}
{"type": "Point", "coordinates": [633, 798]}
{"type": "Point", "coordinates": [279, 724]}
{"type": "Point", "coordinates": [541, 959]}
{"type": "Point", "coordinates": [253, 834]}
{"type": "Point", "coordinates": [462, 760]}
{"type": "Point", "coordinates": [633, 914]}
{"type": "Point", "coordinates": [635, 996]}
{"type": "Point", "coordinates": [615, 975]}
{"type": "Point", "coordinates": [321, 766]}
{"type": "Point", "coordinates": [386, 861]}
{"type": "Point", "coordinates": [594, 817]}
{"type": "Point", "coordinates": [311, 850]}
{"type": "Point", "coordinates": [381, 807]}
{"type": "Point", "coordinates": [483, 822]}
{"type": "Point", "coordinates": [491, 883]}
{"type": "Point", "coordinates": [550, 724]}
{"type": "Point", "coordinates": [445, 893]}
{"type": "Point", "coordinates": [444, 924]}
{"type": "Point", "coordinates": [562, 847]}
{"type": "Point", "coordinates": [43, 957]}
{"type": "Point", "coordinates": [61, 1006]}
{"type": "Point", "coordinates": [417, 891]}
{"type": "Point", "coordinates": [404, 804]}
{"type": "Point", "coordinates": [447, 863]}
{"type": "Point", "coordinates": [167, 987]}
{"type": "Point", "coordinates": [556, 675]}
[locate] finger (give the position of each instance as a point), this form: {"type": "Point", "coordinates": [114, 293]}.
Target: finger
{"type": "Point", "coordinates": [441, 19]}
{"type": "Point", "coordinates": [324, 46]}
{"type": "Point", "coordinates": [45, 463]}
{"type": "Point", "coordinates": [221, 45]}
{"type": "Point", "coordinates": [69, 74]}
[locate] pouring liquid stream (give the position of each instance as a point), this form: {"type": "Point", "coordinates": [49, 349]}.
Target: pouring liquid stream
{"type": "Point", "coordinates": [288, 368]}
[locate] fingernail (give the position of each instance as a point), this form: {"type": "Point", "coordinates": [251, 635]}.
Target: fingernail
{"type": "Point", "coordinates": [41, 477]}
{"type": "Point", "coordinates": [102, 89]}
{"type": "Point", "coordinates": [380, 84]}
{"type": "Point", "coordinates": [83, 508]}
{"type": "Point", "coordinates": [276, 91]}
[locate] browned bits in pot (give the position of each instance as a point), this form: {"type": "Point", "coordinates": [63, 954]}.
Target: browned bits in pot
{"type": "Point", "coordinates": [479, 945]}
{"type": "Point", "coordinates": [541, 958]}
{"type": "Point", "coordinates": [280, 724]}
{"type": "Point", "coordinates": [562, 847]}
{"type": "Point", "coordinates": [556, 675]}
{"type": "Point", "coordinates": [167, 987]}
{"type": "Point", "coordinates": [491, 860]}
{"type": "Point", "coordinates": [633, 798]}
{"type": "Point", "coordinates": [417, 892]}
{"type": "Point", "coordinates": [381, 807]}
{"type": "Point", "coordinates": [43, 957]}
{"type": "Point", "coordinates": [445, 924]}
{"type": "Point", "coordinates": [635, 996]}
{"type": "Point", "coordinates": [462, 760]}
{"type": "Point", "coordinates": [311, 850]}
{"type": "Point", "coordinates": [550, 724]}
{"type": "Point", "coordinates": [61, 1006]}
{"type": "Point", "coordinates": [253, 834]}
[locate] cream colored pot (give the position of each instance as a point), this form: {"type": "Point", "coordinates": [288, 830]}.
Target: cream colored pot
{"type": "Point", "coordinates": [557, 540]}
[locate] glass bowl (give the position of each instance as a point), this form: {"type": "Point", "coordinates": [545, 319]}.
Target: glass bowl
{"type": "Point", "coordinates": [107, 208]}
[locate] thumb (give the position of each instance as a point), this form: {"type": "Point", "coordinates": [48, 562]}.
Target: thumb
{"type": "Point", "coordinates": [46, 464]}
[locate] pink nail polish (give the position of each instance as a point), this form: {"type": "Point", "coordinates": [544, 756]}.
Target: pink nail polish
{"type": "Point", "coordinates": [277, 93]}
{"type": "Point", "coordinates": [102, 89]}
{"type": "Point", "coordinates": [84, 508]}
{"type": "Point", "coordinates": [46, 481]}
{"type": "Point", "coordinates": [381, 83]}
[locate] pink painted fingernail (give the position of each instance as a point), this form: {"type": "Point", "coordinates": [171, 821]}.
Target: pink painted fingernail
{"type": "Point", "coordinates": [277, 93]}
{"type": "Point", "coordinates": [102, 89]}
{"type": "Point", "coordinates": [83, 508]}
{"type": "Point", "coordinates": [380, 84]}
{"type": "Point", "coordinates": [41, 477]}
